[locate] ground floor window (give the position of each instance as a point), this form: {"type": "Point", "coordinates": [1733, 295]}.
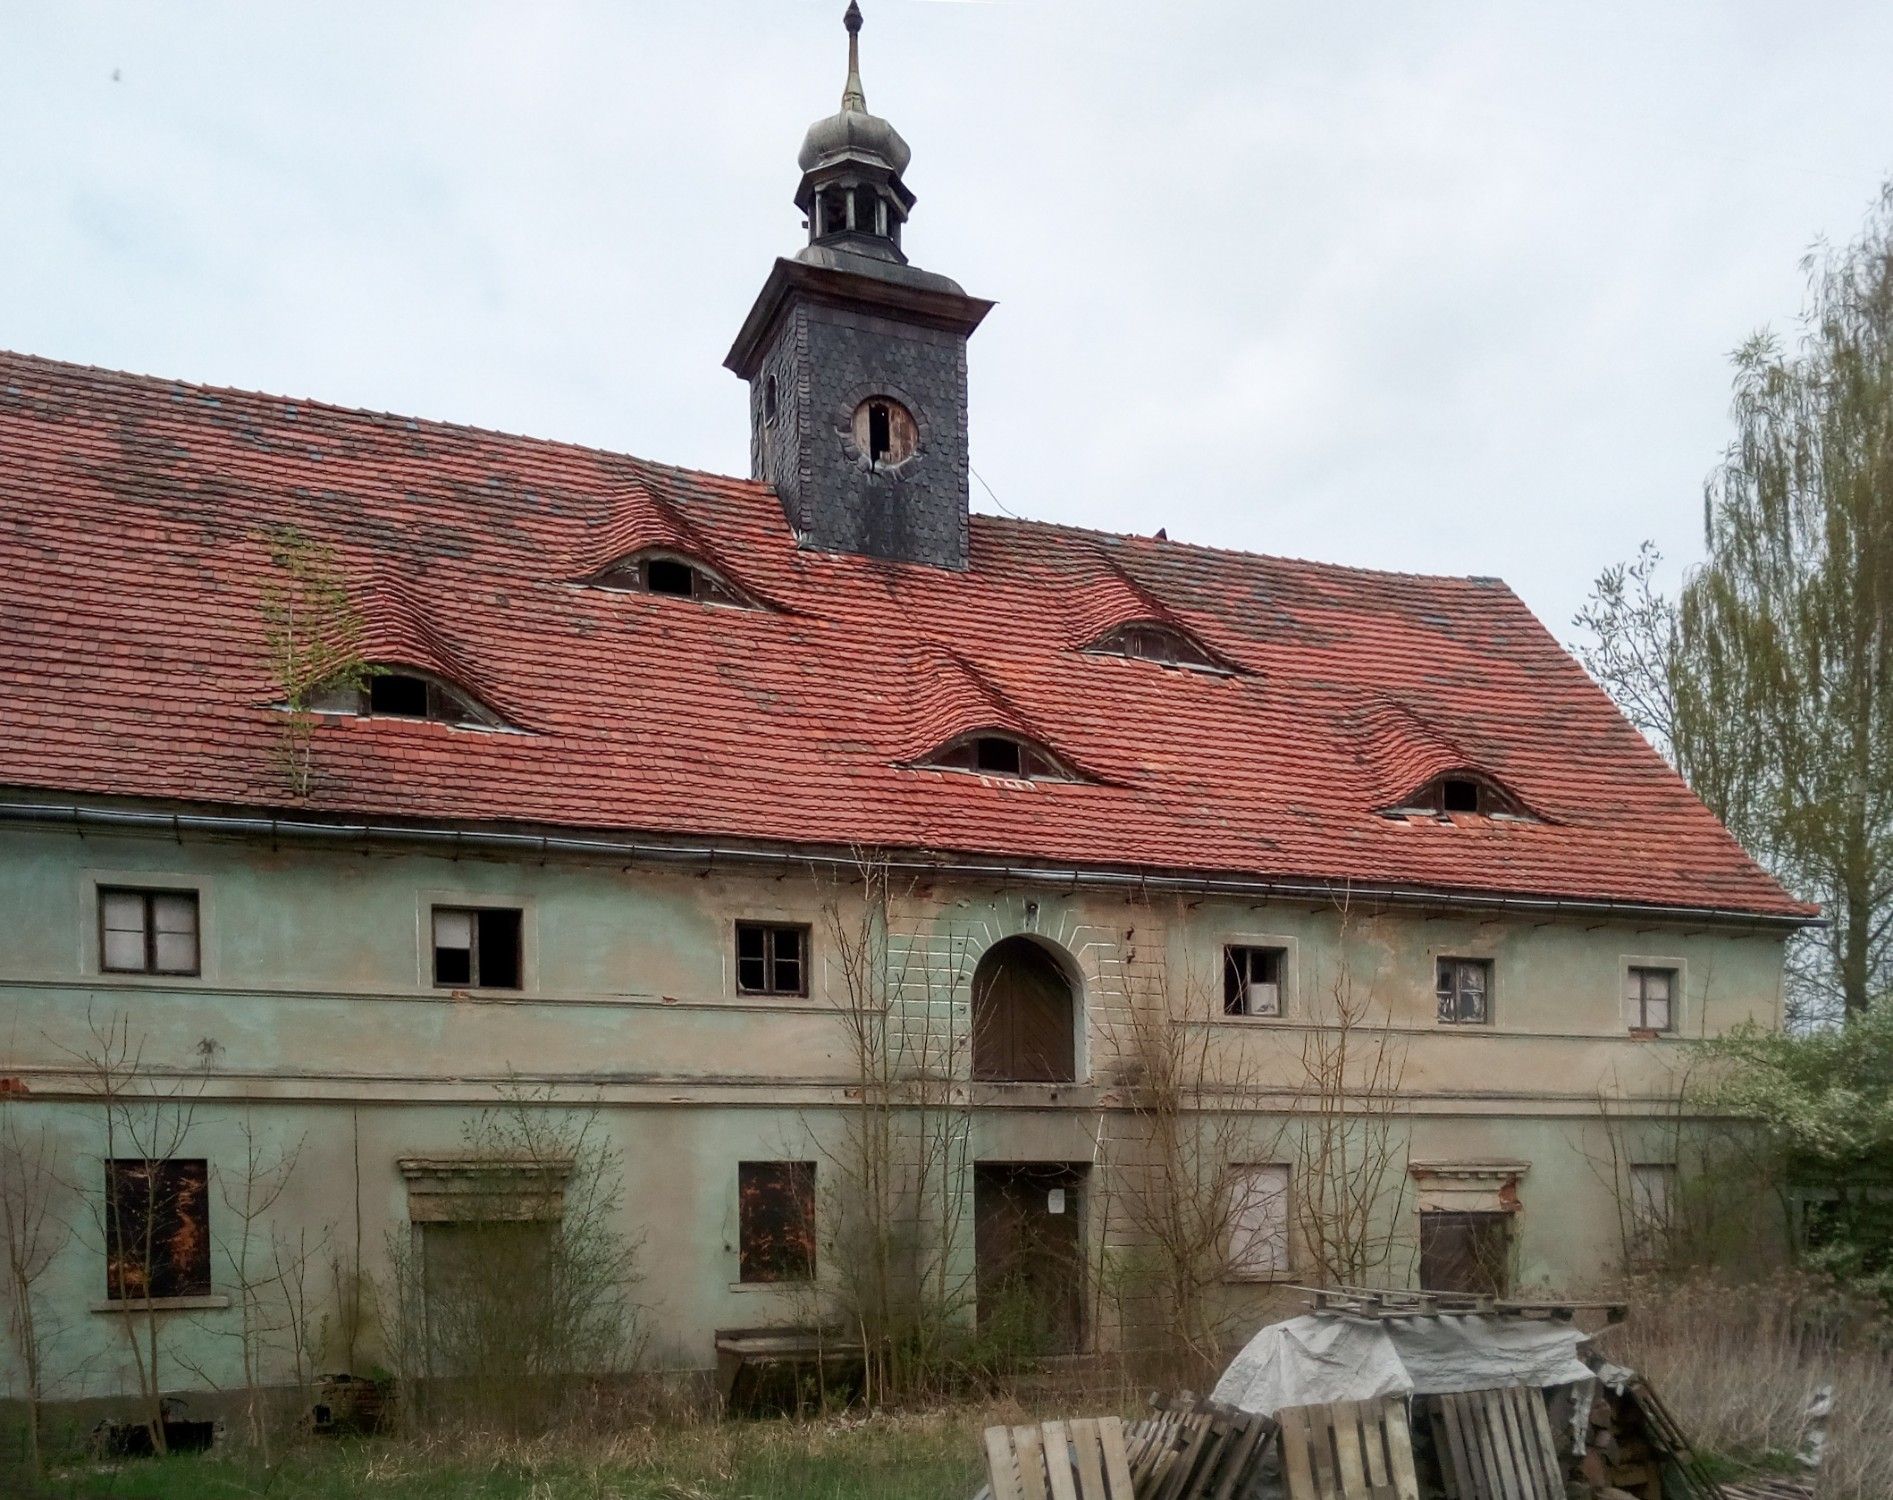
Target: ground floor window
{"type": "Point", "coordinates": [157, 1229]}
{"type": "Point", "coordinates": [775, 1220]}
{"type": "Point", "coordinates": [1466, 1252]}
{"type": "Point", "coordinates": [1258, 1222]}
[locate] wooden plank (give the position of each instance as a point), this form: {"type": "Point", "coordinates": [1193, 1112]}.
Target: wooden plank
{"type": "Point", "coordinates": [1505, 1438]}
{"type": "Point", "coordinates": [1347, 1449]}
{"type": "Point", "coordinates": [1196, 1432]}
{"type": "Point", "coordinates": [1117, 1473]}
{"type": "Point", "coordinates": [1374, 1444]}
{"type": "Point", "coordinates": [1296, 1465]}
{"type": "Point", "coordinates": [1088, 1459]}
{"type": "Point", "coordinates": [1002, 1469]}
{"type": "Point", "coordinates": [1506, 1471]}
{"type": "Point", "coordinates": [1406, 1483]}
{"type": "Point", "coordinates": [1445, 1448]}
{"type": "Point", "coordinates": [1243, 1453]}
{"type": "Point", "coordinates": [1538, 1422]}
{"type": "Point", "coordinates": [1031, 1450]}
{"type": "Point", "coordinates": [1476, 1478]}
{"type": "Point", "coordinates": [1321, 1452]}
{"type": "Point", "coordinates": [1058, 1462]}
{"type": "Point", "coordinates": [1479, 1435]}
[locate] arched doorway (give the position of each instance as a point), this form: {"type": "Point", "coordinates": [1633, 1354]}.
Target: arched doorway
{"type": "Point", "coordinates": [1024, 1016]}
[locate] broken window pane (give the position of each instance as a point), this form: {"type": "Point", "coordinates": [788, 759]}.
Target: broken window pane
{"type": "Point", "coordinates": [1252, 981]}
{"type": "Point", "coordinates": [776, 1220]}
{"type": "Point", "coordinates": [477, 947]}
{"type": "Point", "coordinates": [397, 695]}
{"type": "Point", "coordinates": [157, 1229]}
{"type": "Point", "coordinates": [1258, 1222]}
{"type": "Point", "coordinates": [1462, 985]}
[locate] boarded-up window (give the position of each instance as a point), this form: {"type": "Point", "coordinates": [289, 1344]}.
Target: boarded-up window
{"type": "Point", "coordinates": [1258, 1222]}
{"type": "Point", "coordinates": [1466, 1252]}
{"type": "Point", "coordinates": [1463, 987]}
{"type": "Point", "coordinates": [1652, 1187]}
{"type": "Point", "coordinates": [1650, 998]}
{"type": "Point", "coordinates": [157, 1229]}
{"type": "Point", "coordinates": [1023, 1024]}
{"type": "Point", "coordinates": [147, 932]}
{"type": "Point", "coordinates": [776, 1220]}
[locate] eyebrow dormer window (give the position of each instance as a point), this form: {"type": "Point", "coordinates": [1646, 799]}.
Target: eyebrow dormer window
{"type": "Point", "coordinates": [1462, 795]}
{"type": "Point", "coordinates": [673, 575]}
{"type": "Point", "coordinates": [999, 755]}
{"type": "Point", "coordinates": [400, 692]}
{"type": "Point", "coordinates": [1152, 640]}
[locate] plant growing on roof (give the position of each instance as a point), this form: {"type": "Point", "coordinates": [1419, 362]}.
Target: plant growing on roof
{"type": "Point", "coordinates": [312, 633]}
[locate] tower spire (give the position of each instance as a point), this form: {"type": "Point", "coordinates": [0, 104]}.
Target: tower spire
{"type": "Point", "coordinates": [853, 97]}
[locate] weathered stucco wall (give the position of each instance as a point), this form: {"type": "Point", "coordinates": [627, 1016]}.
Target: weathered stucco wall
{"type": "Point", "coordinates": [327, 1032]}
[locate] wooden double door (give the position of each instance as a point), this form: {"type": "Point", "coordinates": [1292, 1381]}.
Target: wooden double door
{"type": "Point", "coordinates": [1028, 1247]}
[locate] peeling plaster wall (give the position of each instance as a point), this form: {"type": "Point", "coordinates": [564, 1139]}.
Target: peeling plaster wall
{"type": "Point", "coordinates": [315, 990]}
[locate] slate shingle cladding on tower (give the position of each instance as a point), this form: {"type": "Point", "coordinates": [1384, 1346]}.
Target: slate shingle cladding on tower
{"type": "Point", "coordinates": [846, 324]}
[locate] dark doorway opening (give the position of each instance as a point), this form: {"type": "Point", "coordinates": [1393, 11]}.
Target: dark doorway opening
{"type": "Point", "coordinates": [1028, 1255]}
{"type": "Point", "coordinates": [1024, 1016]}
{"type": "Point", "coordinates": [1466, 1252]}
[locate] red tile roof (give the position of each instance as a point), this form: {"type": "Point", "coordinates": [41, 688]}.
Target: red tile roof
{"type": "Point", "coordinates": [132, 662]}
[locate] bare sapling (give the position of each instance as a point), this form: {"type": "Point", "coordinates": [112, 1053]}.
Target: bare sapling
{"type": "Point", "coordinates": [34, 1227]}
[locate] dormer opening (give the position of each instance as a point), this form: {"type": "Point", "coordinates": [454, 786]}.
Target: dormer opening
{"type": "Point", "coordinates": [991, 753]}
{"type": "Point", "coordinates": [674, 576]}
{"type": "Point", "coordinates": [1153, 640]}
{"type": "Point", "coordinates": [1459, 794]}
{"type": "Point", "coordinates": [1462, 794]}
{"type": "Point", "coordinates": [395, 690]}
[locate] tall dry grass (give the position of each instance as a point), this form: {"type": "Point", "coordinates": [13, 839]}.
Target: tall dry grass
{"type": "Point", "coordinates": [1737, 1362]}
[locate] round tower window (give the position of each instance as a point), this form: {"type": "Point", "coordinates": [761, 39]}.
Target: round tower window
{"type": "Point", "coordinates": [885, 431]}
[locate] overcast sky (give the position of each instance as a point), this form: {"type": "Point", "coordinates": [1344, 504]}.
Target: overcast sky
{"type": "Point", "coordinates": [1440, 287]}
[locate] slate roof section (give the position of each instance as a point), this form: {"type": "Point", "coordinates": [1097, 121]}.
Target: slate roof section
{"type": "Point", "coordinates": [132, 513]}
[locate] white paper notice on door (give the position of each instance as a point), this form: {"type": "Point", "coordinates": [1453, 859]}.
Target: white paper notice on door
{"type": "Point", "coordinates": [1055, 1201]}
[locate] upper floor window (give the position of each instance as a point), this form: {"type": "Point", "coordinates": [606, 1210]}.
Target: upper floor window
{"type": "Point", "coordinates": [148, 932]}
{"type": "Point", "coordinates": [672, 574]}
{"type": "Point", "coordinates": [477, 947]}
{"type": "Point", "coordinates": [999, 755]}
{"type": "Point", "coordinates": [1463, 987]}
{"type": "Point", "coordinates": [1152, 640]}
{"type": "Point", "coordinates": [771, 958]}
{"type": "Point", "coordinates": [769, 401]}
{"type": "Point", "coordinates": [1252, 981]}
{"type": "Point", "coordinates": [1650, 998]}
{"type": "Point", "coordinates": [157, 1229]}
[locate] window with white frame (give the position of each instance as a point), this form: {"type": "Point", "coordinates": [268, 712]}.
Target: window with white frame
{"type": "Point", "coordinates": [1650, 997]}
{"type": "Point", "coordinates": [1258, 1222]}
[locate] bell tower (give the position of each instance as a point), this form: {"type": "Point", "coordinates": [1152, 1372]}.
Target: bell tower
{"type": "Point", "coordinates": [856, 360]}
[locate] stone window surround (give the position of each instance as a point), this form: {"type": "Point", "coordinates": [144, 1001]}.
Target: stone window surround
{"type": "Point", "coordinates": [867, 390]}
{"type": "Point", "coordinates": [439, 1187]}
{"type": "Point", "coordinates": [1471, 1186]}
{"type": "Point", "coordinates": [1679, 994]}
{"type": "Point", "coordinates": [1291, 975]}
{"type": "Point", "coordinates": [91, 960]}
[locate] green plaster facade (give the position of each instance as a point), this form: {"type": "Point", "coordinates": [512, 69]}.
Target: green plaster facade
{"type": "Point", "coordinates": [316, 1020]}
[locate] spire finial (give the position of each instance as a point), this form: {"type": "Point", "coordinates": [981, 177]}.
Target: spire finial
{"type": "Point", "coordinates": [852, 95]}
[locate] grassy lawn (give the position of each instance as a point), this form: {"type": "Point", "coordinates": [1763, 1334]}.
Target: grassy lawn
{"type": "Point", "coordinates": [899, 1457]}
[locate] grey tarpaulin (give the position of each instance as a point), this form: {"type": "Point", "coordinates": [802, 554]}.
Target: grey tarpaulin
{"type": "Point", "coordinates": [1314, 1359]}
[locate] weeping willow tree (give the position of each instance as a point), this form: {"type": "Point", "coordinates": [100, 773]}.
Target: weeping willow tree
{"type": "Point", "coordinates": [1782, 678]}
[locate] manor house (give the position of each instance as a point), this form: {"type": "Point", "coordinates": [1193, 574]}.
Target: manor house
{"type": "Point", "coordinates": [356, 770]}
